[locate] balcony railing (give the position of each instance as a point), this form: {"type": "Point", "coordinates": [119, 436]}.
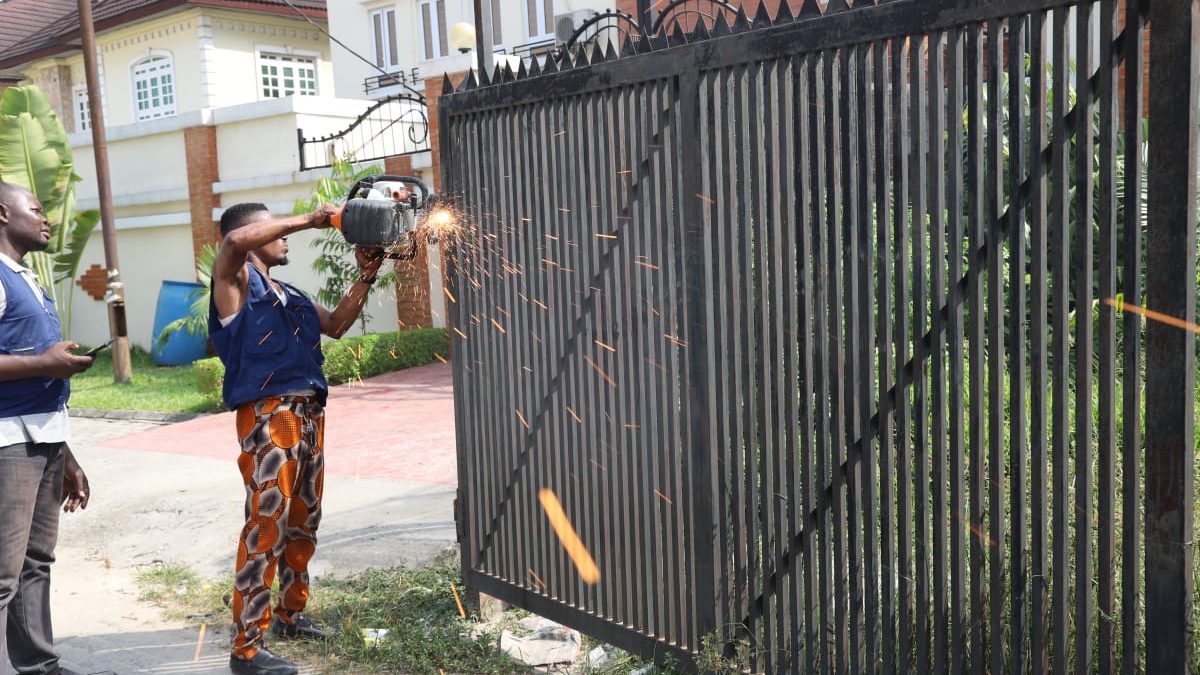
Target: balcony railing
{"type": "Point", "coordinates": [409, 78]}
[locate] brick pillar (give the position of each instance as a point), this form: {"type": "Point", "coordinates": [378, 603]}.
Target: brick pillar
{"type": "Point", "coordinates": [398, 165]}
{"type": "Point", "coordinates": [55, 82]}
{"type": "Point", "coordinates": [200, 146]}
{"type": "Point", "coordinates": [412, 290]}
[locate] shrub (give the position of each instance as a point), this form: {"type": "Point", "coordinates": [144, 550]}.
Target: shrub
{"type": "Point", "coordinates": [351, 359]}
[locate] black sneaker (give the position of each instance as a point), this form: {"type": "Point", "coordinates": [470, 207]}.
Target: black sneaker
{"type": "Point", "coordinates": [263, 663]}
{"type": "Point", "coordinates": [301, 628]}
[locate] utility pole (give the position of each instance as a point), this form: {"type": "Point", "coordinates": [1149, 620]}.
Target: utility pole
{"type": "Point", "coordinates": [115, 297]}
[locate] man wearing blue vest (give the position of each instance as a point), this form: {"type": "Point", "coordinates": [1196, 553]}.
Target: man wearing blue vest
{"type": "Point", "coordinates": [268, 335]}
{"type": "Point", "coordinates": [38, 473]}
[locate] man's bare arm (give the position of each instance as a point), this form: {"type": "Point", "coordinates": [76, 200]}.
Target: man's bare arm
{"type": "Point", "coordinates": [336, 323]}
{"type": "Point", "coordinates": [229, 288]}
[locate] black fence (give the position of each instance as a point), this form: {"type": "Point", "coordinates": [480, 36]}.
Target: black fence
{"type": "Point", "coordinates": [829, 331]}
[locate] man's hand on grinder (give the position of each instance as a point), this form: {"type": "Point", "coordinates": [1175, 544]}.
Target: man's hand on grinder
{"type": "Point", "coordinates": [322, 216]}
{"type": "Point", "coordinates": [59, 362]}
{"type": "Point", "coordinates": [369, 258]}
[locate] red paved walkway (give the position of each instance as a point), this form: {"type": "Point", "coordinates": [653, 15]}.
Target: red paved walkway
{"type": "Point", "coordinates": [398, 426]}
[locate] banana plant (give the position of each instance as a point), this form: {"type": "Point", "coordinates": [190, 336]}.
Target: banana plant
{"type": "Point", "coordinates": [35, 154]}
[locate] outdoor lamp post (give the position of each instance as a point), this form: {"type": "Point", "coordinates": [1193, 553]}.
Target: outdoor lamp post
{"type": "Point", "coordinates": [462, 36]}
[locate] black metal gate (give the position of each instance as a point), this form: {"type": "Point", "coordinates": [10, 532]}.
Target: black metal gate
{"type": "Point", "coordinates": [826, 329]}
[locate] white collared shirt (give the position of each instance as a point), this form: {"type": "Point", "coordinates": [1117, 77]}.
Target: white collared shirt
{"type": "Point", "coordinates": [52, 427]}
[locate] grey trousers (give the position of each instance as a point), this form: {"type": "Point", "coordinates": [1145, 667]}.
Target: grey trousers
{"type": "Point", "coordinates": [31, 483]}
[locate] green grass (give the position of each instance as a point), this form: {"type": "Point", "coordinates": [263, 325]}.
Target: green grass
{"type": "Point", "coordinates": [156, 388]}
{"type": "Point", "coordinates": [426, 633]}
{"type": "Point", "coordinates": [182, 594]}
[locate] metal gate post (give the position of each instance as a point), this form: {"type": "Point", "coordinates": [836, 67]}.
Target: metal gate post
{"type": "Point", "coordinates": [1170, 351]}
{"type": "Point", "coordinates": [701, 459]}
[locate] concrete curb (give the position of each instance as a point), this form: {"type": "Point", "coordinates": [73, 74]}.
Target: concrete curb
{"type": "Point", "coordinates": [136, 415]}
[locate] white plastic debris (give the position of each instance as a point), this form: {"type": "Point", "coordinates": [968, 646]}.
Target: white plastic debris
{"type": "Point", "coordinates": [541, 642]}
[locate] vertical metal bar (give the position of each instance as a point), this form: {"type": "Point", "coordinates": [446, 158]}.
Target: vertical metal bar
{"type": "Point", "coordinates": [852, 253]}
{"type": "Point", "coordinates": [867, 135]}
{"type": "Point", "coordinates": [1060, 374]}
{"type": "Point", "coordinates": [904, 461]}
{"type": "Point", "coordinates": [995, 342]}
{"type": "Point", "coordinates": [886, 376]}
{"type": "Point", "coordinates": [806, 181]}
{"type": "Point", "coordinates": [834, 186]}
{"type": "Point", "coordinates": [699, 299]}
{"type": "Point", "coordinates": [1107, 382]}
{"type": "Point", "coordinates": [937, 355]}
{"type": "Point", "coordinates": [1170, 352]}
{"type": "Point", "coordinates": [825, 419]}
{"type": "Point", "coordinates": [1039, 627]}
{"type": "Point", "coordinates": [1017, 318]}
{"type": "Point", "coordinates": [741, 552]}
{"type": "Point", "coordinates": [957, 298]}
{"type": "Point", "coordinates": [976, 248]}
{"type": "Point", "coordinates": [780, 350]}
{"type": "Point", "coordinates": [1083, 264]}
{"type": "Point", "coordinates": [763, 418]}
{"type": "Point", "coordinates": [1131, 286]}
{"type": "Point", "coordinates": [919, 189]}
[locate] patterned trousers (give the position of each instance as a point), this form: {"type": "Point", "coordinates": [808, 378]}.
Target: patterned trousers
{"type": "Point", "coordinates": [283, 467]}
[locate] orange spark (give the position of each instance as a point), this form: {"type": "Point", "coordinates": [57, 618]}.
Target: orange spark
{"type": "Point", "coordinates": [574, 414]}
{"type": "Point", "coordinates": [570, 541]}
{"type": "Point", "coordinates": [605, 236]}
{"type": "Point", "coordinates": [675, 340]}
{"type": "Point", "coordinates": [1121, 305]}
{"type": "Point", "coordinates": [551, 237]}
{"type": "Point", "coordinates": [655, 364]}
{"type": "Point", "coordinates": [462, 612]}
{"type": "Point", "coordinates": [663, 497]}
{"type": "Point", "coordinates": [603, 374]}
{"type": "Point", "coordinates": [460, 333]}
{"type": "Point", "coordinates": [536, 579]}
{"type": "Point", "coordinates": [645, 264]}
{"type": "Point", "coordinates": [497, 325]}
{"type": "Point", "coordinates": [604, 346]}
{"type": "Point", "coordinates": [522, 418]}
{"type": "Point", "coordinates": [269, 376]}
{"type": "Point", "coordinates": [540, 304]}
{"type": "Point", "coordinates": [264, 338]}
{"type": "Point", "coordinates": [436, 355]}
{"type": "Point", "coordinates": [705, 198]}
{"type": "Point", "coordinates": [502, 311]}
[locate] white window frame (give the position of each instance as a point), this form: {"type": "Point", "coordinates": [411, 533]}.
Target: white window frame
{"type": "Point", "coordinates": [389, 40]}
{"type": "Point", "coordinates": [285, 52]}
{"type": "Point", "coordinates": [79, 103]}
{"type": "Point", "coordinates": [440, 39]}
{"type": "Point", "coordinates": [541, 16]}
{"type": "Point", "coordinates": [164, 109]}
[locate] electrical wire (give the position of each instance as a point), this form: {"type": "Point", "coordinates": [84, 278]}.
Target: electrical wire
{"type": "Point", "coordinates": [343, 45]}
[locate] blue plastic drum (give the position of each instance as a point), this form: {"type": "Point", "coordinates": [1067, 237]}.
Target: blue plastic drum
{"type": "Point", "coordinates": [174, 302]}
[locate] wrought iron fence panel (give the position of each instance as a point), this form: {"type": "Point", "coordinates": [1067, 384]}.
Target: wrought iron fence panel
{"type": "Point", "coordinates": [825, 330]}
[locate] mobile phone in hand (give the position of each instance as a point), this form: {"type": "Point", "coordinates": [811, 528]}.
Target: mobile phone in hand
{"type": "Point", "coordinates": [96, 350]}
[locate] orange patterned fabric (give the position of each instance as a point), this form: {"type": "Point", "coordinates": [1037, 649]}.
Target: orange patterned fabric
{"type": "Point", "coordinates": [283, 468]}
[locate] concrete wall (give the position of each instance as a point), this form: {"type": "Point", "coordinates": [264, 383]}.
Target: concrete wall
{"type": "Point", "coordinates": [237, 38]}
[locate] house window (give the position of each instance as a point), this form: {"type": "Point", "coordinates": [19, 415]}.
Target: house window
{"type": "Point", "coordinates": [383, 34]}
{"type": "Point", "coordinates": [83, 114]}
{"type": "Point", "coordinates": [285, 75]}
{"type": "Point", "coordinates": [540, 17]}
{"type": "Point", "coordinates": [154, 87]}
{"type": "Point", "coordinates": [433, 28]}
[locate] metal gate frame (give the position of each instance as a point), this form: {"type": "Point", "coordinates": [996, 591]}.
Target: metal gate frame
{"type": "Point", "coordinates": [679, 59]}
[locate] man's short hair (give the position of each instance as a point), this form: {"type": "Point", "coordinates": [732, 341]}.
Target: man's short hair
{"type": "Point", "coordinates": [238, 214]}
{"type": "Point", "coordinates": [9, 190]}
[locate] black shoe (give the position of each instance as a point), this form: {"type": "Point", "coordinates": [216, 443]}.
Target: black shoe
{"type": "Point", "coordinates": [263, 663]}
{"type": "Point", "coordinates": [301, 628]}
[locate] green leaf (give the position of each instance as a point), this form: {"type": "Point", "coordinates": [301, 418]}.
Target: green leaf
{"type": "Point", "coordinates": [35, 153]}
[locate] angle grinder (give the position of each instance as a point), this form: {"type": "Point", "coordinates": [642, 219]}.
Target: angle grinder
{"type": "Point", "coordinates": [381, 211]}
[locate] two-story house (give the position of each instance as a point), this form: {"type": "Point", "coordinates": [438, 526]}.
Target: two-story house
{"type": "Point", "coordinates": [204, 101]}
